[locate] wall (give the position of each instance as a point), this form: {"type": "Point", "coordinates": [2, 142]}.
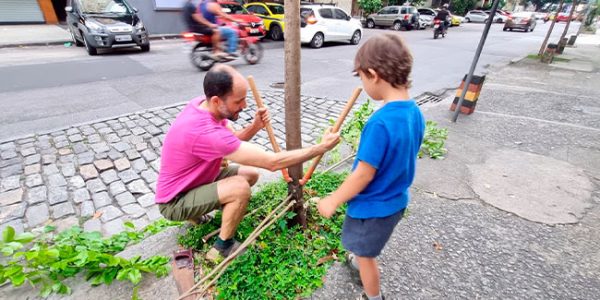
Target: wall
{"type": "Point", "coordinates": [159, 21]}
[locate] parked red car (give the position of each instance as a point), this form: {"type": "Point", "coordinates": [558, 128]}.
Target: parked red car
{"type": "Point", "coordinates": [562, 17]}
{"type": "Point", "coordinates": [256, 26]}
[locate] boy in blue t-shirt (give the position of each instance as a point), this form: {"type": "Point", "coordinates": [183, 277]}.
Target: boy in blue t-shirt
{"type": "Point", "coordinates": [377, 189]}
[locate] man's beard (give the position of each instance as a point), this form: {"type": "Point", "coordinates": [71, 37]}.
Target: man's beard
{"type": "Point", "coordinates": [226, 114]}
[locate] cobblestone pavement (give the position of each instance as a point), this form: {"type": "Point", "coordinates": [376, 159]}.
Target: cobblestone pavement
{"type": "Point", "coordinates": [101, 174]}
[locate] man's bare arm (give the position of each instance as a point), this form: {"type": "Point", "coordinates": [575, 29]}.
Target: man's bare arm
{"type": "Point", "coordinates": [200, 19]}
{"type": "Point", "coordinates": [216, 9]}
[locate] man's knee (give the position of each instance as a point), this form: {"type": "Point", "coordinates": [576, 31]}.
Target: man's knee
{"type": "Point", "coordinates": [251, 174]}
{"type": "Point", "coordinates": [240, 187]}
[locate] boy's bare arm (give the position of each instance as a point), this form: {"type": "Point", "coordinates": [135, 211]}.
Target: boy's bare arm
{"type": "Point", "coordinates": [354, 184]}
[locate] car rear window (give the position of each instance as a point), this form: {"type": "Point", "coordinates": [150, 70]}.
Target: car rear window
{"type": "Point", "coordinates": [326, 13]}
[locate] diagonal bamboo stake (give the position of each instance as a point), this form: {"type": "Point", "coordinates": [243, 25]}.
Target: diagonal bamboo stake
{"type": "Point", "coordinates": [260, 104]}
{"type": "Point", "coordinates": [242, 246]}
{"type": "Point", "coordinates": [336, 128]}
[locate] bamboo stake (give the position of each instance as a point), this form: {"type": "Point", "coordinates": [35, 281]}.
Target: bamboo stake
{"type": "Point", "coordinates": [268, 127]}
{"type": "Point", "coordinates": [336, 128]}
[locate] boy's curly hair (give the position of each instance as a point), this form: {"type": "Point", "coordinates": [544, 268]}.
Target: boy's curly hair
{"type": "Point", "coordinates": [388, 56]}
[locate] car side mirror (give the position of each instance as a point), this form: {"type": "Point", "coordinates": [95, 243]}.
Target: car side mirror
{"type": "Point", "coordinates": [135, 10]}
{"type": "Point", "coordinates": [69, 9]}
{"type": "Point", "coordinates": [348, 18]}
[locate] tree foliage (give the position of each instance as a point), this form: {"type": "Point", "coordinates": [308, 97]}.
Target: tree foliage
{"type": "Point", "coordinates": [369, 6]}
{"type": "Point", "coordinates": [460, 7]}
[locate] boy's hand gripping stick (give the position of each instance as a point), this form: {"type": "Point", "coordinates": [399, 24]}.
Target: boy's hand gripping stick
{"type": "Point", "coordinates": [336, 128]}
{"type": "Point", "coordinates": [260, 104]}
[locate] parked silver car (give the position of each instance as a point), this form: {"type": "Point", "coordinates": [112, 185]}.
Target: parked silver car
{"type": "Point", "coordinates": [397, 17]}
{"type": "Point", "coordinates": [476, 16]}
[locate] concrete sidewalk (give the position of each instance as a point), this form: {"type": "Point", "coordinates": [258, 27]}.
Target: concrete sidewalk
{"type": "Point", "coordinates": [512, 212]}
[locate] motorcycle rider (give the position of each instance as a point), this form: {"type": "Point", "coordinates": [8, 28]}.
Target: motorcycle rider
{"type": "Point", "coordinates": [443, 15]}
{"type": "Point", "coordinates": [203, 19]}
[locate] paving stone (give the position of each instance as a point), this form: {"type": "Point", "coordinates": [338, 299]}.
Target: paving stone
{"type": "Point", "coordinates": [57, 195]}
{"type": "Point", "coordinates": [67, 159]}
{"type": "Point", "coordinates": [59, 137]}
{"type": "Point", "coordinates": [9, 162]}
{"type": "Point", "coordinates": [123, 132]}
{"type": "Point", "coordinates": [72, 131]}
{"type": "Point", "coordinates": [135, 210]}
{"type": "Point", "coordinates": [101, 199]}
{"type": "Point", "coordinates": [37, 195]}
{"type": "Point", "coordinates": [103, 164]}
{"type": "Point", "coordinates": [76, 182]}
{"type": "Point", "coordinates": [66, 223]}
{"type": "Point", "coordinates": [116, 126]}
{"type": "Point", "coordinates": [146, 200]}
{"type": "Point", "coordinates": [100, 147]}
{"type": "Point", "coordinates": [114, 154]}
{"type": "Point", "coordinates": [50, 169]}
{"type": "Point", "coordinates": [8, 154]}
{"type": "Point", "coordinates": [149, 155]}
{"type": "Point", "coordinates": [112, 138]}
{"type": "Point", "coordinates": [87, 209]}
{"type": "Point", "coordinates": [153, 213]}
{"type": "Point", "coordinates": [157, 121]}
{"type": "Point", "coordinates": [34, 180]}
{"type": "Point", "coordinates": [94, 138]}
{"type": "Point", "coordinates": [128, 176]}
{"type": "Point", "coordinates": [11, 170]}
{"type": "Point", "coordinates": [17, 225]}
{"type": "Point", "coordinates": [153, 130]}
{"type": "Point", "coordinates": [28, 151]}
{"type": "Point", "coordinates": [138, 187]}
{"type": "Point", "coordinates": [15, 211]}
{"type": "Point", "coordinates": [48, 159]}
{"type": "Point", "coordinates": [99, 125]}
{"type": "Point", "coordinates": [88, 172]}
{"type": "Point", "coordinates": [133, 139]}
{"type": "Point", "coordinates": [122, 164]}
{"type": "Point", "coordinates": [11, 197]}
{"type": "Point", "coordinates": [109, 213]}
{"type": "Point", "coordinates": [61, 144]}
{"type": "Point", "coordinates": [79, 148]}
{"type": "Point", "coordinates": [125, 198]}
{"type": "Point", "coordinates": [76, 138]}
{"type": "Point", "coordinates": [56, 180]}
{"type": "Point", "coordinates": [137, 130]}
{"type": "Point", "coordinates": [105, 130]}
{"type": "Point", "coordinates": [155, 165]}
{"type": "Point", "coordinates": [139, 165]}
{"type": "Point", "coordinates": [37, 215]}
{"type": "Point", "coordinates": [7, 146]}
{"type": "Point", "coordinates": [121, 146]}
{"type": "Point", "coordinates": [87, 130]}
{"type": "Point", "coordinates": [117, 188]}
{"type": "Point", "coordinates": [61, 210]}
{"type": "Point", "coordinates": [132, 154]}
{"type": "Point", "coordinates": [10, 183]}
{"type": "Point", "coordinates": [67, 169]}
{"type": "Point", "coordinates": [33, 159]}
{"type": "Point", "coordinates": [140, 223]}
{"type": "Point", "coordinates": [32, 169]}
{"type": "Point", "coordinates": [113, 227]}
{"type": "Point", "coordinates": [141, 146]}
{"type": "Point", "coordinates": [81, 195]}
{"type": "Point", "coordinates": [102, 155]}
{"type": "Point", "coordinates": [85, 158]}
{"type": "Point", "coordinates": [155, 142]}
{"type": "Point", "coordinates": [150, 176]}
{"type": "Point", "coordinates": [95, 185]}
{"type": "Point", "coordinates": [109, 176]}
{"type": "Point", "coordinates": [92, 225]}
{"type": "Point", "coordinates": [64, 151]}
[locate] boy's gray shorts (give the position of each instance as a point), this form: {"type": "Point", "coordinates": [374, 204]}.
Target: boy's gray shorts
{"type": "Point", "coordinates": [367, 237]}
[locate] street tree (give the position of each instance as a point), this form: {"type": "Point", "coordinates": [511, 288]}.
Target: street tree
{"type": "Point", "coordinates": [369, 6]}
{"type": "Point", "coordinates": [545, 42]}
{"type": "Point", "coordinates": [562, 36]}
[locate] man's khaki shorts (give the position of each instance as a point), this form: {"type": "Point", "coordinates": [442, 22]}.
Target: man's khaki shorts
{"type": "Point", "coordinates": [196, 202]}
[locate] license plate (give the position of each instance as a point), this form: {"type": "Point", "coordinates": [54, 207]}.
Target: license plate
{"type": "Point", "coordinates": [123, 38]}
{"type": "Point", "coordinates": [253, 30]}
{"type": "Point", "coordinates": [436, 26]}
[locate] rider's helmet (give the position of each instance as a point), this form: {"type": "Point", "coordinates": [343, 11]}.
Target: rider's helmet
{"type": "Point", "coordinates": [445, 5]}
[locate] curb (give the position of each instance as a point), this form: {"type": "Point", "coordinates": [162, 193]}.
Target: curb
{"type": "Point", "coordinates": [153, 37]}
{"type": "Point", "coordinates": [517, 59]}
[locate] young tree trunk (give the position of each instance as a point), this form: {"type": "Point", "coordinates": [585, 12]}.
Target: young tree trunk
{"type": "Point", "coordinates": [562, 36]}
{"type": "Point", "coordinates": [543, 48]}
{"type": "Point", "coordinates": [292, 102]}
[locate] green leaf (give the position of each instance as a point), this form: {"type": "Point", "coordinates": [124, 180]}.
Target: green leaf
{"type": "Point", "coordinates": [49, 228]}
{"type": "Point", "coordinates": [46, 290]}
{"type": "Point", "coordinates": [135, 276]}
{"type": "Point", "coordinates": [8, 234]}
{"type": "Point", "coordinates": [128, 224]}
{"type": "Point", "coordinates": [18, 279]}
{"type": "Point", "coordinates": [109, 275]}
{"type": "Point", "coordinates": [122, 274]}
{"type": "Point", "coordinates": [25, 238]}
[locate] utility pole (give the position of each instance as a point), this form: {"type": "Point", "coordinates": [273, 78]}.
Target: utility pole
{"type": "Point", "coordinates": [293, 128]}
{"type": "Point", "coordinates": [545, 43]}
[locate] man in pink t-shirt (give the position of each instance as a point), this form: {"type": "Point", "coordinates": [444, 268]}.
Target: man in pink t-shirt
{"type": "Point", "coordinates": [192, 181]}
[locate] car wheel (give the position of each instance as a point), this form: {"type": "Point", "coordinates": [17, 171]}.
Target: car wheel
{"type": "Point", "coordinates": [317, 40]}
{"type": "Point", "coordinates": [355, 38]}
{"type": "Point", "coordinates": [468, 20]}
{"type": "Point", "coordinates": [531, 30]}
{"type": "Point", "coordinates": [510, 29]}
{"type": "Point", "coordinates": [91, 50]}
{"type": "Point", "coordinates": [145, 48]}
{"type": "Point", "coordinates": [504, 29]}
{"type": "Point", "coordinates": [75, 40]}
{"type": "Point", "coordinates": [397, 26]}
{"type": "Point", "coordinates": [276, 33]}
{"type": "Point", "coordinates": [370, 24]}
{"type": "Point", "coordinates": [499, 20]}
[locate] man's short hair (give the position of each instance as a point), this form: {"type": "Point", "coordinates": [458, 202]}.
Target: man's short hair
{"type": "Point", "coordinates": [388, 56]}
{"type": "Point", "coordinates": [218, 82]}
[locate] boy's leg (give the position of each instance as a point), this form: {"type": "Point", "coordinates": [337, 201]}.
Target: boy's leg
{"type": "Point", "coordinates": [369, 275]}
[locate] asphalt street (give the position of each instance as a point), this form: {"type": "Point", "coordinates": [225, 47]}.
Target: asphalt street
{"type": "Point", "coordinates": [45, 88]}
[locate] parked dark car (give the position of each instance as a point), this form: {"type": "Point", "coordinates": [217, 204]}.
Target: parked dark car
{"type": "Point", "coordinates": [106, 24]}
{"type": "Point", "coordinates": [521, 20]}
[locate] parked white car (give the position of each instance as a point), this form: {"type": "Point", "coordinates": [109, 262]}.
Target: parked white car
{"type": "Point", "coordinates": [499, 18]}
{"type": "Point", "coordinates": [327, 23]}
{"type": "Point", "coordinates": [476, 16]}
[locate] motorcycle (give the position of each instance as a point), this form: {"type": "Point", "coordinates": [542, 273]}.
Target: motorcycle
{"type": "Point", "coordinates": [438, 29]}
{"type": "Point", "coordinates": [249, 46]}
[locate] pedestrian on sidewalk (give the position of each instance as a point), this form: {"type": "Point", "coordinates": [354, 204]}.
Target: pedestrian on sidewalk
{"type": "Point", "coordinates": [377, 189]}
{"type": "Point", "coordinates": [192, 180]}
